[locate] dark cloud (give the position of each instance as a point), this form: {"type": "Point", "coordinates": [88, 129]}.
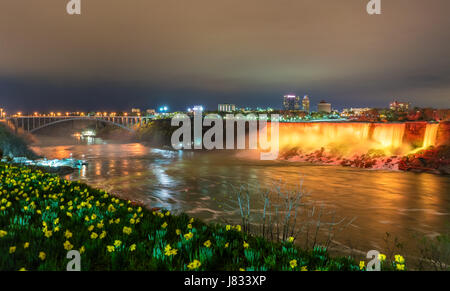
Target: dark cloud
{"type": "Point", "coordinates": [119, 54]}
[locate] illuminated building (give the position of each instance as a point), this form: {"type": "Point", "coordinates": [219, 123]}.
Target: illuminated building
{"type": "Point", "coordinates": [399, 106]}
{"type": "Point", "coordinates": [226, 107]}
{"type": "Point", "coordinates": [354, 111]}
{"type": "Point", "coordinates": [305, 104]}
{"type": "Point", "coordinates": [291, 102]}
{"type": "Point", "coordinates": [324, 107]}
{"type": "Point", "coordinates": [2, 113]}
{"type": "Point", "coordinates": [135, 110]}
{"type": "Point", "coordinates": [151, 111]}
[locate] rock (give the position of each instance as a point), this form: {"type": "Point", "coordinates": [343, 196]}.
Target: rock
{"type": "Point", "coordinates": [444, 170]}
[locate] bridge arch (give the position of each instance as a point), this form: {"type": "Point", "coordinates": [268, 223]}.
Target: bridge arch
{"type": "Point", "coordinates": [51, 123]}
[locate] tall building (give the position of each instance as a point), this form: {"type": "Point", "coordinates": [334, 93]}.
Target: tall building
{"type": "Point", "coordinates": [291, 102]}
{"type": "Point", "coordinates": [324, 107]}
{"type": "Point", "coordinates": [399, 106]}
{"type": "Point", "coordinates": [305, 104]}
{"type": "Point", "coordinates": [226, 107]}
{"type": "Point", "coordinates": [2, 113]}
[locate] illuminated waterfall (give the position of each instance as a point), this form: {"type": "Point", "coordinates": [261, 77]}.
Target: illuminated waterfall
{"type": "Point", "coordinates": [430, 135]}
{"type": "Point", "coordinates": [389, 136]}
{"type": "Point", "coordinates": [348, 138]}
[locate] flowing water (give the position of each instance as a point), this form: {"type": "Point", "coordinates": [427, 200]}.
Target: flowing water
{"type": "Point", "coordinates": [200, 184]}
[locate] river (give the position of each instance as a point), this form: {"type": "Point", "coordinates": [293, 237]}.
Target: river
{"type": "Point", "coordinates": [201, 184]}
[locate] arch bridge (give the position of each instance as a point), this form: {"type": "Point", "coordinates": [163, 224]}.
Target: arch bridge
{"type": "Point", "coordinates": [32, 124]}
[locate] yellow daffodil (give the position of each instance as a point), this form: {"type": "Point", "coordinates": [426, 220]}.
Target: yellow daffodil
{"type": "Point", "coordinates": [293, 264]}
{"type": "Point", "coordinates": [400, 267]}
{"type": "Point", "coordinates": [12, 250]}
{"type": "Point", "coordinates": [68, 246]}
{"type": "Point", "coordinates": [399, 259]}
{"type": "Point", "coordinates": [207, 243]}
{"type": "Point", "coordinates": [94, 235]}
{"type": "Point", "coordinates": [110, 249]}
{"type": "Point", "coordinates": [246, 245]}
{"type": "Point", "coordinates": [188, 236]}
{"type": "Point", "coordinates": [3, 233]}
{"type": "Point", "coordinates": [68, 234]}
{"type": "Point", "coordinates": [178, 232]}
{"type": "Point", "coordinates": [304, 268]}
{"type": "Point", "coordinates": [42, 256]}
{"type": "Point", "coordinates": [117, 243]}
{"type": "Point", "coordinates": [290, 239]}
{"type": "Point", "coordinates": [227, 245]}
{"type": "Point", "coordinates": [169, 251]}
{"type": "Point", "coordinates": [164, 225]}
{"type": "Point", "coordinates": [194, 265]}
{"type": "Point", "coordinates": [103, 235]}
{"type": "Point", "coordinates": [361, 265]}
{"type": "Point", "coordinates": [127, 230]}
{"type": "Point", "coordinates": [381, 257]}
{"type": "Point", "coordinates": [133, 247]}
{"type": "Point", "coordinates": [26, 245]}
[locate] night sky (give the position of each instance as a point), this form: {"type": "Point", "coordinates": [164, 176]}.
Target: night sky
{"type": "Point", "coordinates": [145, 53]}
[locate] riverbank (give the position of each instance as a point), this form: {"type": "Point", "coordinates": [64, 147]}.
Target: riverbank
{"type": "Point", "coordinates": [43, 216]}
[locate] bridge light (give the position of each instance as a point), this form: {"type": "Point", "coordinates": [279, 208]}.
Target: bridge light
{"type": "Point", "coordinates": [36, 114]}
{"type": "Point", "coordinates": [19, 113]}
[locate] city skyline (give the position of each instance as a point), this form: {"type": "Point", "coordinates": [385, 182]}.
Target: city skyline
{"type": "Point", "coordinates": [147, 55]}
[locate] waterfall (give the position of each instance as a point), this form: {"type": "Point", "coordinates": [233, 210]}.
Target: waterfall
{"type": "Point", "coordinates": [345, 139]}
{"type": "Point", "coordinates": [429, 138]}
{"type": "Point", "coordinates": [389, 135]}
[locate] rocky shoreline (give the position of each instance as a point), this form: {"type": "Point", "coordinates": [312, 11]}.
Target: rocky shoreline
{"type": "Point", "coordinates": [435, 160]}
